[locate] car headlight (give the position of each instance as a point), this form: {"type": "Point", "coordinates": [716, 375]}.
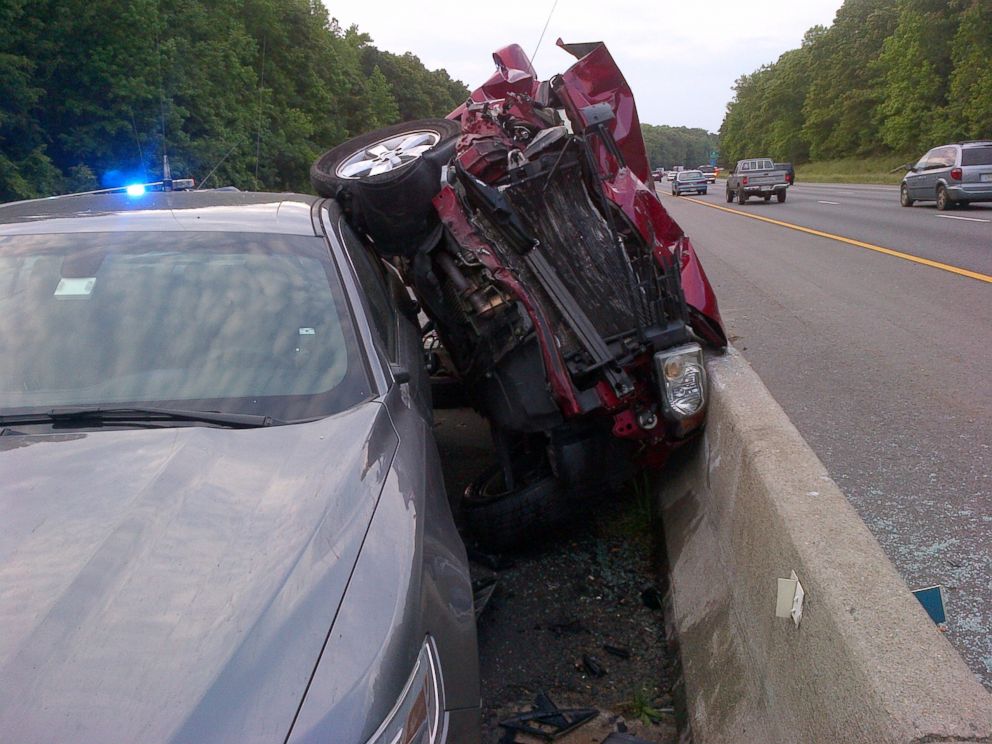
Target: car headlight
{"type": "Point", "coordinates": [416, 717]}
{"type": "Point", "coordinates": [682, 377]}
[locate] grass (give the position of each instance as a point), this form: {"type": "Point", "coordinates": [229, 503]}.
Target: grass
{"type": "Point", "coordinates": [636, 519]}
{"type": "Point", "coordinates": [854, 170]}
{"type": "Point", "coordinates": [643, 707]}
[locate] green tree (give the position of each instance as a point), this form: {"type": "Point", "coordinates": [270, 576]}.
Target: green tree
{"type": "Point", "coordinates": [845, 85]}
{"type": "Point", "coordinates": [26, 170]}
{"type": "Point", "coordinates": [916, 62]}
{"type": "Point", "coordinates": [239, 92]}
{"type": "Point", "coordinates": [968, 113]}
{"type": "Point", "coordinates": [667, 146]}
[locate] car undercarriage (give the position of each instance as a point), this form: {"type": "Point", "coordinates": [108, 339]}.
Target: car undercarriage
{"type": "Point", "coordinates": [569, 308]}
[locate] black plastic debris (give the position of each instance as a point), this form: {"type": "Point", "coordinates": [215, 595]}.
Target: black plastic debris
{"type": "Point", "coordinates": [482, 592]}
{"type": "Point", "coordinates": [592, 665]}
{"type": "Point", "coordinates": [624, 738]}
{"type": "Point", "coordinates": [546, 721]}
{"type": "Point", "coordinates": [651, 597]}
{"type": "Point", "coordinates": [618, 651]}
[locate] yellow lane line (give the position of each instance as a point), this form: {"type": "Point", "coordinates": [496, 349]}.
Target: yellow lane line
{"type": "Point", "coordinates": [850, 241]}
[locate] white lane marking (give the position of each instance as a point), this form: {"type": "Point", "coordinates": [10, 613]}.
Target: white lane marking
{"type": "Point", "coordinates": [967, 219]}
{"type": "Point", "coordinates": [826, 202]}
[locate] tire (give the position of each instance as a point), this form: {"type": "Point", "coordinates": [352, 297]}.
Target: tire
{"type": "Point", "coordinates": [501, 520]}
{"type": "Point", "coordinates": [730, 196]}
{"type": "Point", "coordinates": [703, 192]}
{"type": "Point", "coordinates": [768, 198]}
{"type": "Point", "coordinates": [904, 196]}
{"type": "Point", "coordinates": [780, 195]}
{"type": "Point", "coordinates": [944, 202]}
{"type": "Point", "coordinates": [674, 192]}
{"type": "Point", "coordinates": [393, 206]}
{"type": "Point", "coordinates": [741, 196]}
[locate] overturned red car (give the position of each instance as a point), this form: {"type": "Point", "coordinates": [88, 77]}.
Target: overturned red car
{"type": "Point", "coordinates": [570, 308]}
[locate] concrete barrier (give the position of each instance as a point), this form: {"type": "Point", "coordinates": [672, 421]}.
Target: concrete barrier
{"type": "Point", "coordinates": [866, 664]}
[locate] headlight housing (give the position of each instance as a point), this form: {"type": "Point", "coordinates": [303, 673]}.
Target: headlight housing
{"type": "Point", "coordinates": [416, 717]}
{"type": "Point", "coordinates": [682, 379]}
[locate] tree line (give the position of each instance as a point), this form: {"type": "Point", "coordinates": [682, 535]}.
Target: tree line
{"type": "Point", "coordinates": [668, 146]}
{"type": "Point", "coordinates": [237, 92]}
{"type": "Point", "coordinates": [887, 77]}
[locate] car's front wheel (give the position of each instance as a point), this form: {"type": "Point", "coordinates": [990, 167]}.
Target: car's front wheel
{"type": "Point", "coordinates": [904, 196]}
{"type": "Point", "coordinates": [730, 196]}
{"type": "Point", "coordinates": [385, 180]}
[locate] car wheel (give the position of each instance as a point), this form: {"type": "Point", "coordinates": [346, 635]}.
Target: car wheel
{"type": "Point", "coordinates": [703, 192]}
{"type": "Point", "coordinates": [741, 196]}
{"type": "Point", "coordinates": [385, 180]}
{"type": "Point", "coordinates": [768, 198]}
{"type": "Point", "coordinates": [501, 519]}
{"type": "Point", "coordinates": [730, 196]}
{"type": "Point", "coordinates": [780, 195]}
{"type": "Point", "coordinates": [943, 200]}
{"type": "Point", "coordinates": [904, 196]}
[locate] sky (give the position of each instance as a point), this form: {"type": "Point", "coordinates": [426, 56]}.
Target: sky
{"type": "Point", "coordinates": [681, 59]}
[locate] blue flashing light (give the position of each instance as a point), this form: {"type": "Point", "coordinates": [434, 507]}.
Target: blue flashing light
{"type": "Point", "coordinates": [136, 189]}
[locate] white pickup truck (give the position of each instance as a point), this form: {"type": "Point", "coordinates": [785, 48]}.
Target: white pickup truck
{"type": "Point", "coordinates": [757, 177]}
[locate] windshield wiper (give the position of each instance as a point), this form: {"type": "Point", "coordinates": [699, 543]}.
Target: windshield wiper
{"type": "Point", "coordinates": [97, 415]}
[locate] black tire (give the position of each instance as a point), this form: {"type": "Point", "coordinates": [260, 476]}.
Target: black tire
{"type": "Point", "coordinates": [944, 202]}
{"type": "Point", "coordinates": [767, 198]}
{"type": "Point", "coordinates": [703, 192]}
{"type": "Point", "coordinates": [730, 196]}
{"type": "Point", "coordinates": [501, 520]}
{"type": "Point", "coordinates": [780, 195]}
{"type": "Point", "coordinates": [741, 196]}
{"type": "Point", "coordinates": [393, 207]}
{"type": "Point", "coordinates": [904, 196]}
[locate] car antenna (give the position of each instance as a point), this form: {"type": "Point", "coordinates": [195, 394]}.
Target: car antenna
{"type": "Point", "coordinates": [203, 181]}
{"type": "Point", "coordinates": [258, 137]}
{"type": "Point", "coordinates": [166, 173]}
{"type": "Point", "coordinates": [543, 30]}
{"type": "Point", "coordinates": [137, 141]}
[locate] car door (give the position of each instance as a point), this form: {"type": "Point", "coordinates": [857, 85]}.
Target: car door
{"type": "Point", "coordinates": [915, 179]}
{"type": "Point", "coordinates": [940, 166]}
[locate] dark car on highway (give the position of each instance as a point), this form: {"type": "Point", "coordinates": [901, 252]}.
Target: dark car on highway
{"type": "Point", "coordinates": [570, 306]}
{"type": "Point", "coordinates": [690, 181]}
{"type": "Point", "coordinates": [950, 175]}
{"type": "Point", "coordinates": [709, 171]}
{"type": "Point", "coordinates": [222, 505]}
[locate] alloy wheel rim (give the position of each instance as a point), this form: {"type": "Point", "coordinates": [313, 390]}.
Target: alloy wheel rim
{"type": "Point", "coordinates": [389, 154]}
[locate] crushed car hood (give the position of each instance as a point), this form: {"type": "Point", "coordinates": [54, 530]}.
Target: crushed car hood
{"type": "Point", "coordinates": [177, 584]}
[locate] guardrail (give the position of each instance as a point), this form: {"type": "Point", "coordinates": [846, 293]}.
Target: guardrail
{"type": "Point", "coordinates": [750, 505]}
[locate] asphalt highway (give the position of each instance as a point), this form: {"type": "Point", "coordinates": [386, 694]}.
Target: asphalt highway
{"type": "Point", "coordinates": [871, 324]}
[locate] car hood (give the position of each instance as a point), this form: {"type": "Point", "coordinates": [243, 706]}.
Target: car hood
{"type": "Point", "coordinates": [177, 584]}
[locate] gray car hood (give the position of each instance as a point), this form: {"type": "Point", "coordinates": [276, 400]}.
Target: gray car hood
{"type": "Point", "coordinates": [177, 584]}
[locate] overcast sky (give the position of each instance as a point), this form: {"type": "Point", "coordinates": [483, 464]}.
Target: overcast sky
{"type": "Point", "coordinates": [680, 58]}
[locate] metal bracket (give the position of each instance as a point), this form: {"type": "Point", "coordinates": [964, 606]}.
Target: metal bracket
{"type": "Point", "coordinates": [790, 599]}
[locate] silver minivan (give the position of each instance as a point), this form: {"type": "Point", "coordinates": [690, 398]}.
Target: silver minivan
{"type": "Point", "coordinates": [950, 175]}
